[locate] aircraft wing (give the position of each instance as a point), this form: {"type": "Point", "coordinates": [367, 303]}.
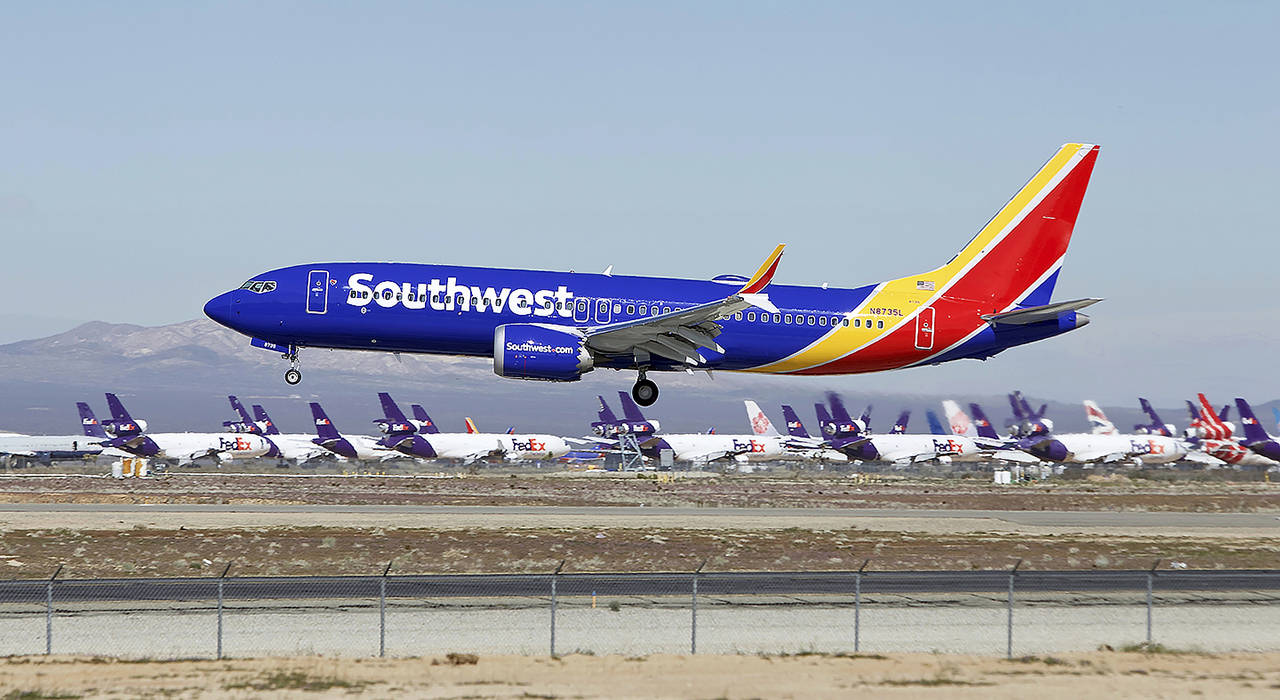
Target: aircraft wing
{"type": "Point", "coordinates": [678, 335]}
{"type": "Point", "coordinates": [1203, 458]}
{"type": "Point", "coordinates": [1014, 456]}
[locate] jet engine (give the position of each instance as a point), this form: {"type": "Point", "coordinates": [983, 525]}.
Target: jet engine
{"type": "Point", "coordinates": [538, 351]}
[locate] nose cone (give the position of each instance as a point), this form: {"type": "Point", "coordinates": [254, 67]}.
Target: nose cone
{"type": "Point", "coordinates": [219, 309]}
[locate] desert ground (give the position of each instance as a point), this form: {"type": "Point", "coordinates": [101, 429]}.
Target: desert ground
{"type": "Point", "coordinates": [1159, 673]}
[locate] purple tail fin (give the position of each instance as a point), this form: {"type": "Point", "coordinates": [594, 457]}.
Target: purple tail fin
{"type": "Point", "coordinates": [795, 428]}
{"type": "Point", "coordinates": [123, 425]}
{"type": "Point", "coordinates": [390, 409]}
{"type": "Point", "coordinates": [268, 425]}
{"type": "Point", "coordinates": [88, 421]}
{"type": "Point", "coordinates": [420, 415]}
{"type": "Point", "coordinates": [1192, 411]}
{"type": "Point", "coordinates": [980, 421]}
{"type": "Point", "coordinates": [245, 424]}
{"type": "Point", "coordinates": [1157, 426]}
{"type": "Point", "coordinates": [838, 411]}
{"type": "Point", "coordinates": [1016, 405]}
{"type": "Point", "coordinates": [605, 414]}
{"type": "Point", "coordinates": [325, 429]}
{"type": "Point", "coordinates": [1253, 430]}
{"type": "Point", "coordinates": [1225, 414]}
{"type": "Point", "coordinates": [866, 415]}
{"type": "Point", "coordinates": [824, 418]}
{"type": "Point", "coordinates": [900, 427]}
{"type": "Point", "coordinates": [629, 408]}
{"type": "Point", "coordinates": [118, 411]}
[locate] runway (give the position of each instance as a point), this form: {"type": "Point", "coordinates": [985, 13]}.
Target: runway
{"type": "Point", "coordinates": [23, 515]}
{"type": "Point", "coordinates": [839, 583]}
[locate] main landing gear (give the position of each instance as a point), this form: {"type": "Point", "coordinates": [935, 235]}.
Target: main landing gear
{"type": "Point", "coordinates": [292, 376]}
{"type": "Point", "coordinates": [644, 392]}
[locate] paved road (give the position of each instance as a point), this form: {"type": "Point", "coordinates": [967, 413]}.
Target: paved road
{"type": "Point", "coordinates": [539, 585]}
{"type": "Point", "coordinates": [1099, 519]}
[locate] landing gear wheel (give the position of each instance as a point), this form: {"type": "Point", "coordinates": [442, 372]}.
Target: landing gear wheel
{"type": "Point", "coordinates": [645, 392]}
{"type": "Point", "coordinates": [292, 376]}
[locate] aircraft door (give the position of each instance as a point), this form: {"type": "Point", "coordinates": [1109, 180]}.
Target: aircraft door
{"type": "Point", "coordinates": [924, 329]}
{"type": "Point", "coordinates": [603, 311]}
{"type": "Point", "coordinates": [581, 311]}
{"type": "Point", "coordinates": [318, 292]}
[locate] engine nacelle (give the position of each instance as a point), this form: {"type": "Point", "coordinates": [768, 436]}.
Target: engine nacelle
{"type": "Point", "coordinates": [537, 351]}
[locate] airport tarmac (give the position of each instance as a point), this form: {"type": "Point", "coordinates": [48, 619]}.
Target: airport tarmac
{"type": "Point", "coordinates": [127, 515]}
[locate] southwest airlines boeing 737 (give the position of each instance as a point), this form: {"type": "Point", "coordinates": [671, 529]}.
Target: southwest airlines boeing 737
{"type": "Point", "coordinates": [556, 326]}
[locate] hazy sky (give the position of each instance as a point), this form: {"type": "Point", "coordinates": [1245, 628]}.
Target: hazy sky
{"type": "Point", "coordinates": [156, 154]}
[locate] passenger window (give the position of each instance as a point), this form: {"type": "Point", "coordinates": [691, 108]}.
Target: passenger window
{"type": "Point", "coordinates": [666, 309]}
{"type": "Point", "coordinates": [777, 318]}
{"type": "Point", "coordinates": [631, 309]}
{"type": "Point", "coordinates": [751, 315]}
{"type": "Point", "coordinates": [846, 322]}
{"type": "Point", "coordinates": [822, 320]}
{"type": "Point", "coordinates": [787, 318]}
{"type": "Point", "coordinates": [879, 324]}
{"type": "Point", "coordinates": [811, 320]}
{"type": "Point", "coordinates": [764, 318]}
{"type": "Point", "coordinates": [644, 310]}
{"type": "Point", "coordinates": [857, 322]}
{"type": "Point", "coordinates": [737, 316]}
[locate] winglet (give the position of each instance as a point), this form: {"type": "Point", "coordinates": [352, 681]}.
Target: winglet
{"type": "Point", "coordinates": [764, 275]}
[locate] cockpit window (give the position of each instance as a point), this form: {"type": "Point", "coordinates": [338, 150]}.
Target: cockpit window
{"type": "Point", "coordinates": [259, 286]}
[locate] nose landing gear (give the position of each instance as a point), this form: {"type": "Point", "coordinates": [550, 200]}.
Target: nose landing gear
{"type": "Point", "coordinates": [645, 392]}
{"type": "Point", "coordinates": [292, 376]}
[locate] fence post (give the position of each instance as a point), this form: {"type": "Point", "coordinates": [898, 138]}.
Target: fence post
{"type": "Point", "coordinates": [554, 576]}
{"type": "Point", "coordinates": [1151, 575]}
{"type": "Point", "coordinates": [220, 581]}
{"type": "Point", "coordinates": [48, 612]}
{"type": "Point", "coordinates": [382, 611]}
{"type": "Point", "coordinates": [857, 606]}
{"type": "Point", "coordinates": [1008, 652]}
{"type": "Point", "coordinates": [693, 623]}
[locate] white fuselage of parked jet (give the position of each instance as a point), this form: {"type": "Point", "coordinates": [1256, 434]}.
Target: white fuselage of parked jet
{"type": "Point", "coordinates": [701, 448]}
{"type": "Point", "coordinates": [188, 447]}
{"type": "Point", "coordinates": [907, 448]}
{"type": "Point", "coordinates": [298, 447]}
{"type": "Point", "coordinates": [1084, 448]}
{"type": "Point", "coordinates": [531, 447]}
{"type": "Point", "coordinates": [30, 445]}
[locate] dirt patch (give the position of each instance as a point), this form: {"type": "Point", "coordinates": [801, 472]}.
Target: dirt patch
{"type": "Point", "coordinates": [335, 550]}
{"type": "Point", "coordinates": [768, 491]}
{"type": "Point", "coordinates": [898, 675]}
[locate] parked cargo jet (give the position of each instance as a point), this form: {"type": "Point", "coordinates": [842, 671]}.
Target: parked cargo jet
{"type": "Point", "coordinates": [124, 433]}
{"type": "Point", "coordinates": [898, 448]}
{"type": "Point", "coordinates": [293, 447]}
{"type": "Point", "coordinates": [358, 447]}
{"type": "Point", "coordinates": [556, 326]}
{"type": "Point", "coordinates": [1255, 436]}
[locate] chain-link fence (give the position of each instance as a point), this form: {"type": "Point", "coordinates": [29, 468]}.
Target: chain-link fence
{"type": "Point", "coordinates": [1013, 612]}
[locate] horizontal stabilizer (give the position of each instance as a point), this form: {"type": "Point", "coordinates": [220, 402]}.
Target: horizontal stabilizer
{"type": "Point", "coordinates": [1036, 314]}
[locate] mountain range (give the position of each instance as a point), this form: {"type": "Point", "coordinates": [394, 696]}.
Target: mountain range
{"type": "Point", "coordinates": [177, 377]}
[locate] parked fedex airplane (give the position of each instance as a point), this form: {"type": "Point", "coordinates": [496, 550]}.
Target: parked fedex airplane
{"type": "Point", "coordinates": [357, 447]}
{"type": "Point", "coordinates": [983, 433]}
{"type": "Point", "coordinates": [1255, 436]}
{"type": "Point", "coordinates": [703, 448]}
{"type": "Point", "coordinates": [1151, 447]}
{"type": "Point", "coordinates": [556, 326]}
{"type": "Point", "coordinates": [124, 433]}
{"type": "Point", "coordinates": [898, 448]}
{"type": "Point", "coordinates": [295, 448]}
{"type": "Point", "coordinates": [1039, 439]}
{"type": "Point", "coordinates": [794, 447]}
{"type": "Point", "coordinates": [404, 435]}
